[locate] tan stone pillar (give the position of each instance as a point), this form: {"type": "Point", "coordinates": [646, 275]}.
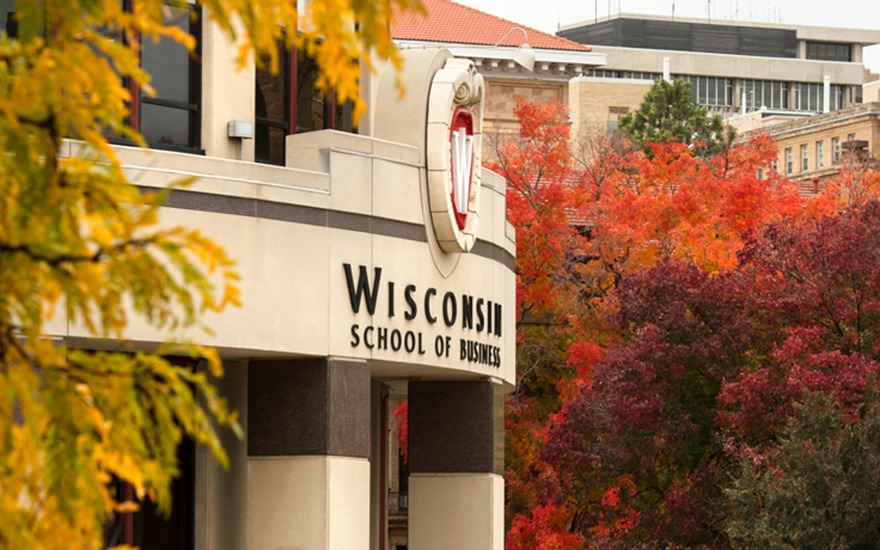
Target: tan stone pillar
{"type": "Point", "coordinates": [456, 460]}
{"type": "Point", "coordinates": [308, 454]}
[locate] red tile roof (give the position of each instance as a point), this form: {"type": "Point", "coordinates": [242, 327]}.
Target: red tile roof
{"type": "Point", "coordinates": [453, 23]}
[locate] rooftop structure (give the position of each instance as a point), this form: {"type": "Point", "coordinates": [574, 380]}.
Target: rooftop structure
{"type": "Point", "coordinates": [490, 41]}
{"type": "Point", "coordinates": [733, 69]}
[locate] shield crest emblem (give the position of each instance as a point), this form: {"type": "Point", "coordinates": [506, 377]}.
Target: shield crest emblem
{"type": "Point", "coordinates": [462, 149]}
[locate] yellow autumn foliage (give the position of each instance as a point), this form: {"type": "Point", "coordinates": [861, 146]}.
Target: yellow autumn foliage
{"type": "Point", "coordinates": [80, 241]}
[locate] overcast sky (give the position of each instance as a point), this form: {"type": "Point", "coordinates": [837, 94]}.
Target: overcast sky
{"type": "Point", "coordinates": [548, 15]}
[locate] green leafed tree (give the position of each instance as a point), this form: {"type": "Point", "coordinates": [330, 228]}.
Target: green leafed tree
{"type": "Point", "coordinates": [80, 244]}
{"type": "Point", "coordinates": [817, 486]}
{"type": "Point", "coordinates": [669, 113]}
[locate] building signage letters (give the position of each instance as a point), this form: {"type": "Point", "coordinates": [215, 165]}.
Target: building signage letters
{"type": "Point", "coordinates": [477, 318]}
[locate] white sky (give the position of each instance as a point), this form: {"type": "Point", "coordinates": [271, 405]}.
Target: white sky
{"type": "Point", "coordinates": [548, 15]}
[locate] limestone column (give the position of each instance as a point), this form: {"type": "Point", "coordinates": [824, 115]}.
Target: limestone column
{"type": "Point", "coordinates": [456, 461]}
{"type": "Point", "coordinates": [308, 439]}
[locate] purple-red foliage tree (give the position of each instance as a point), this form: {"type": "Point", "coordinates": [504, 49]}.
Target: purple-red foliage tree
{"type": "Point", "coordinates": [708, 377]}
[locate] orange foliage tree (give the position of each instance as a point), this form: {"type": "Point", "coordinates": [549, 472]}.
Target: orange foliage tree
{"type": "Point", "coordinates": [584, 222]}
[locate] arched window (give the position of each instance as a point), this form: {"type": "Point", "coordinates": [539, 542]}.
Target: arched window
{"type": "Point", "coordinates": [288, 103]}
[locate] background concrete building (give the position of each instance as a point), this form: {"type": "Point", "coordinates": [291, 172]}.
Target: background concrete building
{"type": "Point", "coordinates": [733, 69]}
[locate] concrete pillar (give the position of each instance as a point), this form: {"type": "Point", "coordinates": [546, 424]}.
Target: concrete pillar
{"type": "Point", "coordinates": [228, 93]}
{"type": "Point", "coordinates": [219, 526]}
{"type": "Point", "coordinates": [826, 94]}
{"type": "Point", "coordinates": [308, 454]}
{"type": "Point", "coordinates": [456, 461]}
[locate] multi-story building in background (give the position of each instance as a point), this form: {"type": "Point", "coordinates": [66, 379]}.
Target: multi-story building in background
{"type": "Point", "coordinates": [814, 148]}
{"type": "Point", "coordinates": [733, 68]}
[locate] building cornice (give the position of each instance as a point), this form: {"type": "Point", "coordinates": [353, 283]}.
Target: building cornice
{"type": "Point", "coordinates": [825, 119]}
{"type": "Point", "coordinates": [864, 37]}
{"type": "Point", "coordinates": [499, 59]}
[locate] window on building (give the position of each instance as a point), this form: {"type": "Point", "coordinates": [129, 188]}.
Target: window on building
{"type": "Point", "coordinates": [288, 103]}
{"type": "Point", "coordinates": [170, 119]}
{"type": "Point", "coordinates": [805, 159]}
{"type": "Point", "coordinates": [149, 529]}
{"type": "Point", "coordinates": [710, 91]}
{"type": "Point", "coordinates": [856, 95]}
{"type": "Point", "coordinates": [639, 75]}
{"type": "Point", "coordinates": [836, 97]}
{"type": "Point", "coordinates": [766, 93]}
{"type": "Point", "coordinates": [829, 51]}
{"type": "Point", "coordinates": [774, 165]}
{"type": "Point", "coordinates": [272, 117]}
{"type": "Point", "coordinates": [603, 73]}
{"type": "Point", "coordinates": [789, 163]}
{"type": "Point", "coordinates": [760, 174]}
{"type": "Point", "coordinates": [809, 96]}
{"type": "Point", "coordinates": [8, 25]}
{"type": "Point", "coordinates": [851, 137]}
{"type": "Point", "coordinates": [820, 154]}
{"type": "Point", "coordinates": [835, 149]}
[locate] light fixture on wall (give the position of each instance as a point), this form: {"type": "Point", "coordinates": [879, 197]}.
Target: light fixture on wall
{"type": "Point", "coordinates": [524, 55]}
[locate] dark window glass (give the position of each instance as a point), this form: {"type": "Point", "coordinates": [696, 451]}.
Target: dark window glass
{"type": "Point", "coordinates": [829, 51]}
{"type": "Point", "coordinates": [153, 531]}
{"type": "Point", "coordinates": [316, 110]}
{"type": "Point", "coordinates": [280, 112]}
{"type": "Point", "coordinates": [167, 61]}
{"type": "Point", "coordinates": [11, 26]}
{"type": "Point", "coordinates": [272, 111]}
{"type": "Point", "coordinates": [169, 119]}
{"type": "Point", "coordinates": [603, 73]}
{"type": "Point", "coordinates": [710, 91]}
{"type": "Point", "coordinates": [166, 126]}
{"type": "Point", "coordinates": [270, 144]}
{"type": "Point", "coordinates": [8, 24]}
{"type": "Point", "coordinates": [149, 529]}
{"type": "Point", "coordinates": [644, 76]}
{"type": "Point", "coordinates": [343, 120]}
{"type": "Point", "coordinates": [310, 103]}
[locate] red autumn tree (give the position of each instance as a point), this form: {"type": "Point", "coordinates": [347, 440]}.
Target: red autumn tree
{"type": "Point", "coordinates": [644, 429]}
{"type": "Point", "coordinates": [714, 378]}
{"type": "Point", "coordinates": [583, 224]}
{"type": "Point", "coordinates": [536, 164]}
{"type": "Point", "coordinates": [537, 167]}
{"type": "Point", "coordinates": [822, 281]}
{"type": "Point", "coordinates": [401, 417]}
{"type": "Point", "coordinates": [546, 529]}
